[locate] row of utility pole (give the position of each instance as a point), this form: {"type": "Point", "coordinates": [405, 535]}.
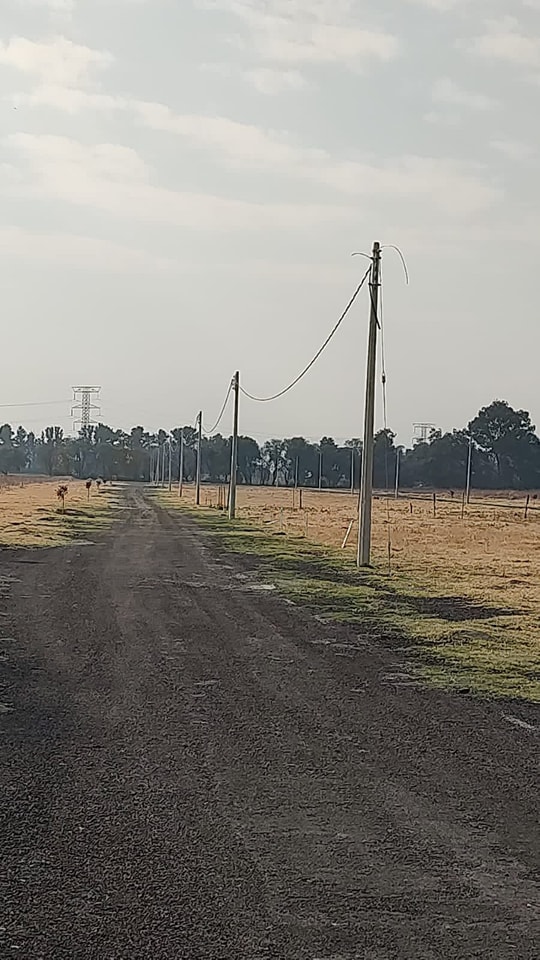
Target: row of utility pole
{"type": "Point", "coordinates": [366, 483]}
{"type": "Point", "coordinates": [157, 468]}
{"type": "Point", "coordinates": [365, 500]}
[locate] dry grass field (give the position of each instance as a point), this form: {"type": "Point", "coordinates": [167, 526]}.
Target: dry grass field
{"type": "Point", "coordinates": [493, 552]}
{"type": "Point", "coordinates": [474, 580]}
{"type": "Point", "coordinates": [31, 515]}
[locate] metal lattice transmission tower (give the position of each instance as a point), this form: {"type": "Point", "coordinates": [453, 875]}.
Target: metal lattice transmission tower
{"type": "Point", "coordinates": [422, 432]}
{"type": "Point", "coordinates": [84, 409]}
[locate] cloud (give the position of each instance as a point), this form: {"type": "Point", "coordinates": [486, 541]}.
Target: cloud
{"type": "Point", "coordinates": [446, 91]}
{"type": "Point", "coordinates": [514, 150]}
{"type": "Point", "coordinates": [308, 32]}
{"type": "Point", "coordinates": [445, 5]}
{"type": "Point", "coordinates": [57, 6]}
{"type": "Point", "coordinates": [57, 62]}
{"type": "Point", "coordinates": [72, 250]}
{"type": "Point", "coordinates": [271, 81]}
{"type": "Point", "coordinates": [457, 188]}
{"type": "Point", "coordinates": [239, 143]}
{"type": "Point", "coordinates": [114, 179]}
{"type": "Point", "coordinates": [503, 40]}
{"type": "Point", "coordinates": [69, 99]}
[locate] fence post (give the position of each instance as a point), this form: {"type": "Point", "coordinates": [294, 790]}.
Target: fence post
{"type": "Point", "coordinates": [527, 505]}
{"type": "Point", "coordinates": [434, 504]}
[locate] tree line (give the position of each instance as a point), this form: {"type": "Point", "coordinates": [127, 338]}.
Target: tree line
{"type": "Point", "coordinates": [504, 444]}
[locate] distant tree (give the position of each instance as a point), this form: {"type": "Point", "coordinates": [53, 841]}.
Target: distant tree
{"type": "Point", "coordinates": [249, 459]}
{"type": "Point", "coordinates": [384, 459]}
{"type": "Point", "coordinates": [51, 447]}
{"type": "Point", "coordinates": [508, 436]}
{"type": "Point", "coordinates": [307, 454]}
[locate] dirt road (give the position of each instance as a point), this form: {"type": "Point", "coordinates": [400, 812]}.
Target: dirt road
{"type": "Point", "coordinates": [194, 769]}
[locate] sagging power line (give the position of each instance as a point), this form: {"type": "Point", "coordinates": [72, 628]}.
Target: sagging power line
{"type": "Point", "coordinates": [314, 359]}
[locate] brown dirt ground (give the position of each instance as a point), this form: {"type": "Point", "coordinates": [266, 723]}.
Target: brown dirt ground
{"type": "Point", "coordinates": [195, 770]}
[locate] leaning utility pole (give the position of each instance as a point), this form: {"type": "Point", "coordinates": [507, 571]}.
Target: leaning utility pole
{"type": "Point", "coordinates": [234, 448]}
{"type": "Point", "coordinates": [366, 486]}
{"type": "Point", "coordinates": [199, 455]}
{"type": "Point", "coordinates": [181, 464]}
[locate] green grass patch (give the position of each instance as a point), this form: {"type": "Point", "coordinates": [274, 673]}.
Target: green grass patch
{"type": "Point", "coordinates": [457, 643]}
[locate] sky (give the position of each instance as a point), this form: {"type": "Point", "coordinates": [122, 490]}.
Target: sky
{"type": "Point", "coordinates": [183, 182]}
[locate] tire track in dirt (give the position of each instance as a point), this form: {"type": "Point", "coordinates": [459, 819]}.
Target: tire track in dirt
{"type": "Point", "coordinates": [192, 773]}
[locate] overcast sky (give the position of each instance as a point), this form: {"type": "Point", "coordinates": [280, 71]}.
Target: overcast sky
{"type": "Point", "coordinates": [182, 184]}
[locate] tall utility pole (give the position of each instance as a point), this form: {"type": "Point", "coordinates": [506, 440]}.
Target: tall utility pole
{"type": "Point", "coordinates": [199, 456]}
{"type": "Point", "coordinates": [366, 486]}
{"type": "Point", "coordinates": [181, 464]}
{"type": "Point", "coordinates": [234, 448]}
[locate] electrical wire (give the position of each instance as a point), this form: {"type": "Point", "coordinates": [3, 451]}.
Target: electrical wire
{"type": "Point", "coordinates": [224, 407]}
{"type": "Point", "coordinates": [36, 403]}
{"type": "Point", "coordinates": [334, 330]}
{"type": "Point", "coordinates": [393, 246]}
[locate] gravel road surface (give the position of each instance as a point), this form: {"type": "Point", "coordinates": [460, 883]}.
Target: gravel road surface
{"type": "Point", "coordinates": [193, 768]}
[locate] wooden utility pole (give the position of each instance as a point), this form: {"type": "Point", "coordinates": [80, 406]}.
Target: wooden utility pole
{"type": "Point", "coordinates": [469, 471]}
{"type": "Point", "coordinates": [181, 464]}
{"type": "Point", "coordinates": [366, 486]}
{"type": "Point", "coordinates": [199, 458]}
{"type": "Point", "coordinates": [234, 448]}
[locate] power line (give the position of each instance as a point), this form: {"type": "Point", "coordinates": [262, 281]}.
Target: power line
{"type": "Point", "coordinates": [36, 403]}
{"type": "Point", "coordinates": [224, 407]}
{"type": "Point", "coordinates": [317, 355]}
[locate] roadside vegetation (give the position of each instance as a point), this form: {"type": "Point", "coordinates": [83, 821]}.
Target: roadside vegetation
{"type": "Point", "coordinates": [37, 515]}
{"type": "Point", "coordinates": [453, 641]}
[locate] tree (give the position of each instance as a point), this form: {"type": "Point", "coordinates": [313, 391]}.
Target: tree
{"type": "Point", "coordinates": [384, 459]}
{"type": "Point", "coordinates": [307, 455]}
{"type": "Point", "coordinates": [51, 447]}
{"type": "Point", "coordinates": [249, 459]}
{"type": "Point", "coordinates": [273, 460]}
{"type": "Point", "coordinates": [508, 436]}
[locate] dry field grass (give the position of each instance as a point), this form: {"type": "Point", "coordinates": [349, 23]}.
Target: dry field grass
{"type": "Point", "coordinates": [492, 553]}
{"type": "Point", "coordinates": [482, 571]}
{"type": "Point", "coordinates": [30, 514]}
